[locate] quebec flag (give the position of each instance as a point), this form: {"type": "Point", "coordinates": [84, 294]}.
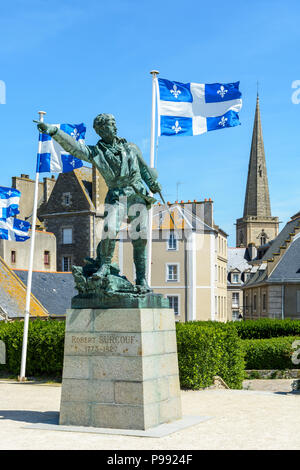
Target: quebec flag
{"type": "Point", "coordinates": [9, 202]}
{"type": "Point", "coordinates": [196, 108]}
{"type": "Point", "coordinates": [53, 158]}
{"type": "Point", "coordinates": [14, 229]}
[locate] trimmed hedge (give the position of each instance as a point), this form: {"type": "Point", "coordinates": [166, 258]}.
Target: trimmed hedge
{"type": "Point", "coordinates": [45, 347]}
{"type": "Point", "coordinates": [273, 353]}
{"type": "Point", "coordinates": [206, 350]}
{"type": "Point", "coordinates": [267, 328]}
{"type": "Point", "coordinates": [203, 351]}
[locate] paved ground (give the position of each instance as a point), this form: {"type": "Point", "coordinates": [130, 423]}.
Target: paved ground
{"type": "Point", "coordinates": [271, 385]}
{"type": "Point", "coordinates": [241, 419]}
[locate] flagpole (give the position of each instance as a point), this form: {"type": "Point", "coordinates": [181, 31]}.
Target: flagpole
{"type": "Point", "coordinates": [154, 74]}
{"type": "Point", "coordinates": [22, 377]}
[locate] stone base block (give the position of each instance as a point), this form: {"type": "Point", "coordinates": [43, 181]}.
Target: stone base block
{"type": "Point", "coordinates": [120, 369]}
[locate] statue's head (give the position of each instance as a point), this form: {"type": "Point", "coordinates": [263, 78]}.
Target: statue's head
{"type": "Point", "coordinates": [105, 126]}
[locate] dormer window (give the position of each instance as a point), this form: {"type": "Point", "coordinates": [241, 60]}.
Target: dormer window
{"type": "Point", "coordinates": [235, 278]}
{"type": "Point", "coordinates": [66, 199]}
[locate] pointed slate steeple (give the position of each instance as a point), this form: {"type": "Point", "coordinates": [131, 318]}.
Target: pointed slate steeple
{"type": "Point", "coordinates": [257, 199]}
{"type": "Point", "coordinates": [257, 226]}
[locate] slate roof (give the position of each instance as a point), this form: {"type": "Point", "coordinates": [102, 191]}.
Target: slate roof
{"type": "Point", "coordinates": [9, 305]}
{"type": "Point", "coordinates": [238, 258]}
{"type": "Point", "coordinates": [84, 176]}
{"type": "Point", "coordinates": [288, 268]}
{"type": "Point", "coordinates": [280, 240]}
{"type": "Point", "coordinates": [13, 295]}
{"type": "Point", "coordinates": [54, 290]}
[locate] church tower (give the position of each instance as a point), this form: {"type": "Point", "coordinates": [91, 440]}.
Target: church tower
{"type": "Point", "coordinates": [257, 226]}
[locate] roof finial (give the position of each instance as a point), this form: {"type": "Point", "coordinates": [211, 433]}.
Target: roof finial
{"type": "Point", "coordinates": [257, 89]}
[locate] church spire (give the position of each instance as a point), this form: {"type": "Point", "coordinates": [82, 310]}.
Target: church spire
{"type": "Point", "coordinates": [257, 226]}
{"type": "Point", "coordinates": [257, 199]}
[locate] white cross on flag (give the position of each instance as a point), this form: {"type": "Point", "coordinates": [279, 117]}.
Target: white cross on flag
{"type": "Point", "coordinates": [14, 229]}
{"type": "Point", "coordinates": [195, 108]}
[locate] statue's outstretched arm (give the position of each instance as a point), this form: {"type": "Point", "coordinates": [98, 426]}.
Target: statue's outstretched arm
{"type": "Point", "coordinates": [70, 145]}
{"type": "Point", "coordinates": [75, 148]}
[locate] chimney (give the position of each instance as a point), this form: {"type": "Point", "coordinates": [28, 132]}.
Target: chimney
{"type": "Point", "coordinates": [252, 251]}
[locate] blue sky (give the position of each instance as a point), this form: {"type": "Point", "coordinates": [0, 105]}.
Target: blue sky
{"type": "Point", "coordinates": [77, 59]}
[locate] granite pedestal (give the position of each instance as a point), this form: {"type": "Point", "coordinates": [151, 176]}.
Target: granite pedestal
{"type": "Point", "coordinates": [120, 369]}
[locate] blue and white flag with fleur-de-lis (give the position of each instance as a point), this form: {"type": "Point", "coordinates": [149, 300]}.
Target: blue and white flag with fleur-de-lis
{"type": "Point", "coordinates": [53, 158]}
{"type": "Point", "coordinates": [14, 229]}
{"type": "Point", "coordinates": [196, 108]}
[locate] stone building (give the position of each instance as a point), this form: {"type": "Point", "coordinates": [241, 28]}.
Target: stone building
{"type": "Point", "coordinates": [273, 289]}
{"type": "Point", "coordinates": [188, 261]}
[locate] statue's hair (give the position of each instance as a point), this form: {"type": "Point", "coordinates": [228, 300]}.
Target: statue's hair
{"type": "Point", "coordinates": [101, 119]}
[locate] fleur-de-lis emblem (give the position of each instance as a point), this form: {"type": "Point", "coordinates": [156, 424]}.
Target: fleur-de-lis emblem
{"type": "Point", "coordinates": [222, 92]}
{"type": "Point", "coordinates": [176, 128]}
{"type": "Point", "coordinates": [223, 121]}
{"type": "Point", "coordinates": [21, 225]}
{"type": "Point", "coordinates": [9, 192]}
{"type": "Point", "coordinates": [75, 134]}
{"type": "Point", "coordinates": [175, 92]}
{"type": "Point", "coordinates": [72, 162]}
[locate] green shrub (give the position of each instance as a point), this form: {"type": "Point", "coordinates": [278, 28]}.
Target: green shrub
{"type": "Point", "coordinates": [45, 347]}
{"type": "Point", "coordinates": [273, 353]}
{"type": "Point", "coordinates": [267, 328]}
{"type": "Point", "coordinates": [206, 350]}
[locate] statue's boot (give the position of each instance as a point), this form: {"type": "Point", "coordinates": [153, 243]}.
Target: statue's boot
{"type": "Point", "coordinates": [140, 261]}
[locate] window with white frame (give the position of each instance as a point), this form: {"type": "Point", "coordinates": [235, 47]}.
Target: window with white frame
{"type": "Point", "coordinates": [66, 263]}
{"type": "Point", "coordinates": [235, 315]}
{"type": "Point", "coordinates": [235, 299]}
{"type": "Point", "coordinates": [174, 303]}
{"type": "Point", "coordinates": [172, 242]}
{"type": "Point", "coordinates": [235, 278]}
{"type": "Point", "coordinates": [172, 272]}
{"type": "Point", "coordinates": [67, 235]}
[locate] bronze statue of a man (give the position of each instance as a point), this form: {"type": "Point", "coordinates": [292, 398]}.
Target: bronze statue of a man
{"type": "Point", "coordinates": [122, 166]}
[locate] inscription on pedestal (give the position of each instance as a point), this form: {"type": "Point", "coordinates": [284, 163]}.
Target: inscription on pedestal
{"type": "Point", "coordinates": [97, 343]}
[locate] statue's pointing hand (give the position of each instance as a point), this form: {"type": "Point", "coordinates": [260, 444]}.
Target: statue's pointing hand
{"type": "Point", "coordinates": [45, 128]}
